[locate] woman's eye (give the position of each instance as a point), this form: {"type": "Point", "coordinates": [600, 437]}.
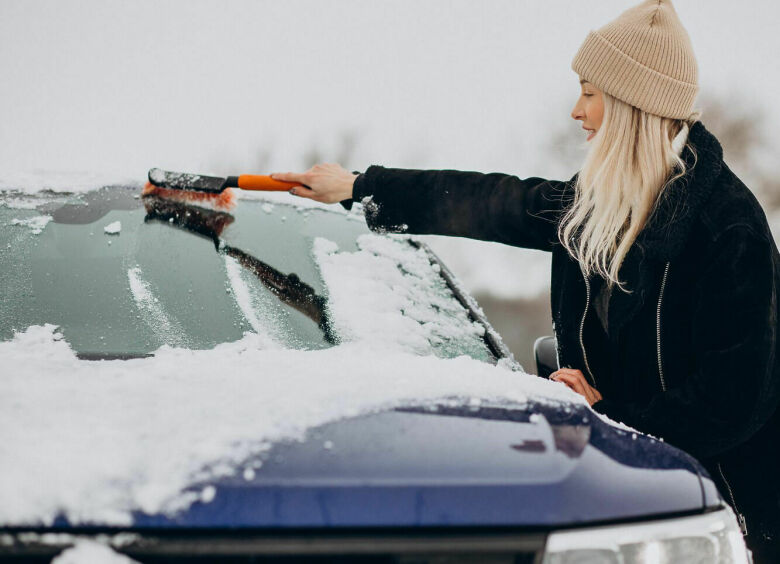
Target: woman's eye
{"type": "Point", "coordinates": [587, 95]}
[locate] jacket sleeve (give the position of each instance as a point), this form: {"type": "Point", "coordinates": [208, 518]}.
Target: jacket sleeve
{"type": "Point", "coordinates": [492, 207]}
{"type": "Point", "coordinates": [733, 389]}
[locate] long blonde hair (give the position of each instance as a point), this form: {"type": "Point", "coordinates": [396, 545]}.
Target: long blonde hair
{"type": "Point", "coordinates": [626, 170]}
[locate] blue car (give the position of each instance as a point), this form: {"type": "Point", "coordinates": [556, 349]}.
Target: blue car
{"type": "Point", "coordinates": [125, 283]}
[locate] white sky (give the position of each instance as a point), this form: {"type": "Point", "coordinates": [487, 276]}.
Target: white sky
{"type": "Point", "coordinates": [207, 86]}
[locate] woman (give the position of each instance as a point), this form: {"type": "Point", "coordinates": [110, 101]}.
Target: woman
{"type": "Point", "coordinates": [664, 270]}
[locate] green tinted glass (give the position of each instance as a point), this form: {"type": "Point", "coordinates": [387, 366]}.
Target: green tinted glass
{"type": "Point", "coordinates": [176, 275]}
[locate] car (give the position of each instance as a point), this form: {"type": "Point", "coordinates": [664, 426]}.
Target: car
{"type": "Point", "coordinates": [276, 383]}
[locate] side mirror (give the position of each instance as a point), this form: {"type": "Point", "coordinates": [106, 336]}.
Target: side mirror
{"type": "Point", "coordinates": [546, 355]}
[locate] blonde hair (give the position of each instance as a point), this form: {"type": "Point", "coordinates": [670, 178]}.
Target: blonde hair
{"type": "Point", "coordinates": [625, 172]}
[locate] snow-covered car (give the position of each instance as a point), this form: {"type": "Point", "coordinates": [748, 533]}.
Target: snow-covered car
{"type": "Point", "coordinates": [276, 382]}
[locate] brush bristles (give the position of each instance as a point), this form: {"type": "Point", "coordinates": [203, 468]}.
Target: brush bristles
{"type": "Point", "coordinates": [224, 200]}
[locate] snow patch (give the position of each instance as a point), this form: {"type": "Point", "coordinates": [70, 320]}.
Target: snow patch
{"type": "Point", "coordinates": [94, 441]}
{"type": "Point", "coordinates": [248, 303]}
{"type": "Point", "coordinates": [113, 228]}
{"type": "Point", "coordinates": [36, 224]}
{"type": "Point", "coordinates": [389, 295]}
{"type": "Point", "coordinates": [157, 176]}
{"type": "Point", "coordinates": [91, 552]}
{"type": "Point", "coordinates": [167, 330]}
{"type": "Point", "coordinates": [17, 201]}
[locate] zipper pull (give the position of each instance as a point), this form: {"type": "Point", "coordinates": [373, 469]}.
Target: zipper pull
{"type": "Point", "coordinates": [742, 524]}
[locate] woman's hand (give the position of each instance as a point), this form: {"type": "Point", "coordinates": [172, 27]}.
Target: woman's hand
{"type": "Point", "coordinates": [577, 382]}
{"type": "Point", "coordinates": [327, 183]}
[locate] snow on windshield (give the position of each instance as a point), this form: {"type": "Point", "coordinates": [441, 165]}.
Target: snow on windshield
{"type": "Point", "coordinates": [388, 294]}
{"type": "Point", "coordinates": [95, 441]}
{"type": "Point", "coordinates": [36, 224]}
{"type": "Point", "coordinates": [255, 306]}
{"type": "Point", "coordinates": [152, 312]}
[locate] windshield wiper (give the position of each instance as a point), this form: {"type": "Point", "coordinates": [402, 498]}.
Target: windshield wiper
{"type": "Point", "coordinates": [111, 356]}
{"type": "Point", "coordinates": [288, 288]}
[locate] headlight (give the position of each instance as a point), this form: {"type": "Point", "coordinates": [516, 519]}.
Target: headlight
{"type": "Point", "coordinates": [713, 537]}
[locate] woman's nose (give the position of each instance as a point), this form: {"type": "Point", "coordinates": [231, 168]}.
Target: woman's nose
{"type": "Point", "coordinates": [576, 113]}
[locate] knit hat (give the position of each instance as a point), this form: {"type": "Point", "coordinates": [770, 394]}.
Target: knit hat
{"type": "Point", "coordinates": [644, 58]}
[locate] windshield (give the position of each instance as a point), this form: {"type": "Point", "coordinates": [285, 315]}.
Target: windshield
{"type": "Point", "coordinates": [122, 276]}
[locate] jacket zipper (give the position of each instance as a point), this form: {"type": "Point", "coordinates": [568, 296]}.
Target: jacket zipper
{"type": "Point", "coordinates": [658, 328]}
{"type": "Point", "coordinates": [740, 516]}
{"type": "Point", "coordinates": [582, 326]}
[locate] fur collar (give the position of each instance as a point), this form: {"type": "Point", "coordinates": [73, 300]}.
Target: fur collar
{"type": "Point", "coordinates": [668, 228]}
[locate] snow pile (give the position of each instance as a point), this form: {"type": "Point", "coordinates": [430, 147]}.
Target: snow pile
{"type": "Point", "coordinates": [36, 224]}
{"type": "Point", "coordinates": [113, 228]}
{"type": "Point", "coordinates": [96, 440]}
{"type": "Point", "coordinates": [91, 552]}
{"type": "Point", "coordinates": [389, 295]}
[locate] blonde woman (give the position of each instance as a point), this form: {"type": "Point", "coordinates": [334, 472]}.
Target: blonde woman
{"type": "Point", "coordinates": [664, 271]}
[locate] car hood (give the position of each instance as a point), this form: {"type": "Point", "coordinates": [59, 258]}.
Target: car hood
{"type": "Point", "coordinates": [539, 465]}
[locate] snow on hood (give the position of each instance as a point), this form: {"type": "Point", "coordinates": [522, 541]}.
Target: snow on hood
{"type": "Point", "coordinates": [97, 440]}
{"type": "Point", "coordinates": [85, 551]}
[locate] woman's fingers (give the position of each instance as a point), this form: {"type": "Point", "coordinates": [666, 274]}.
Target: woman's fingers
{"type": "Point", "coordinates": [303, 192]}
{"type": "Point", "coordinates": [573, 383]}
{"type": "Point", "coordinates": [327, 183]}
{"type": "Point", "coordinates": [290, 176]}
{"type": "Point", "coordinates": [572, 371]}
{"type": "Point", "coordinates": [576, 381]}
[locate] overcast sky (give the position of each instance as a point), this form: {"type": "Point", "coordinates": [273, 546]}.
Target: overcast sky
{"type": "Point", "coordinates": [207, 86]}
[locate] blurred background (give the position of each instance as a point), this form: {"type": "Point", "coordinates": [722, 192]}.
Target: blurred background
{"type": "Point", "coordinates": [238, 86]}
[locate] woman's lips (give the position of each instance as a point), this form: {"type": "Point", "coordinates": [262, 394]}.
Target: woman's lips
{"type": "Point", "coordinates": [592, 133]}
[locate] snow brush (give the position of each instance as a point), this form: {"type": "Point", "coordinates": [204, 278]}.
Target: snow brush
{"type": "Point", "coordinates": [208, 191]}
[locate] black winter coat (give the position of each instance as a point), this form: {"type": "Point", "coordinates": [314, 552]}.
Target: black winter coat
{"type": "Point", "coordinates": [691, 351]}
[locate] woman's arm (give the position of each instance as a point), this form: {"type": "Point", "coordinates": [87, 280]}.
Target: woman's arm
{"type": "Point", "coordinates": [734, 388]}
{"type": "Point", "coordinates": [492, 207]}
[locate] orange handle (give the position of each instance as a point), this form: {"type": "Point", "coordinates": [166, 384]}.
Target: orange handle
{"type": "Point", "coordinates": [261, 182]}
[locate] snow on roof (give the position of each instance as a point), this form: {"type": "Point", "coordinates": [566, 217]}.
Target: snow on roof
{"type": "Point", "coordinates": [97, 440]}
{"type": "Point", "coordinates": [33, 182]}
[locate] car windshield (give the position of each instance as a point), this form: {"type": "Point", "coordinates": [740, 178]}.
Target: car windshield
{"type": "Point", "coordinates": [122, 275]}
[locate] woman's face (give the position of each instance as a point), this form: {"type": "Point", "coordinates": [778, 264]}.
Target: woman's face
{"type": "Point", "coordinates": [589, 108]}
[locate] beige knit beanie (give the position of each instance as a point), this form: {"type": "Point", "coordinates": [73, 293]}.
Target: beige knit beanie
{"type": "Point", "coordinates": [644, 58]}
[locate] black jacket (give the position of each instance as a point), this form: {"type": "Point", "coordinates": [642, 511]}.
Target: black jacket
{"type": "Point", "coordinates": [691, 351]}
